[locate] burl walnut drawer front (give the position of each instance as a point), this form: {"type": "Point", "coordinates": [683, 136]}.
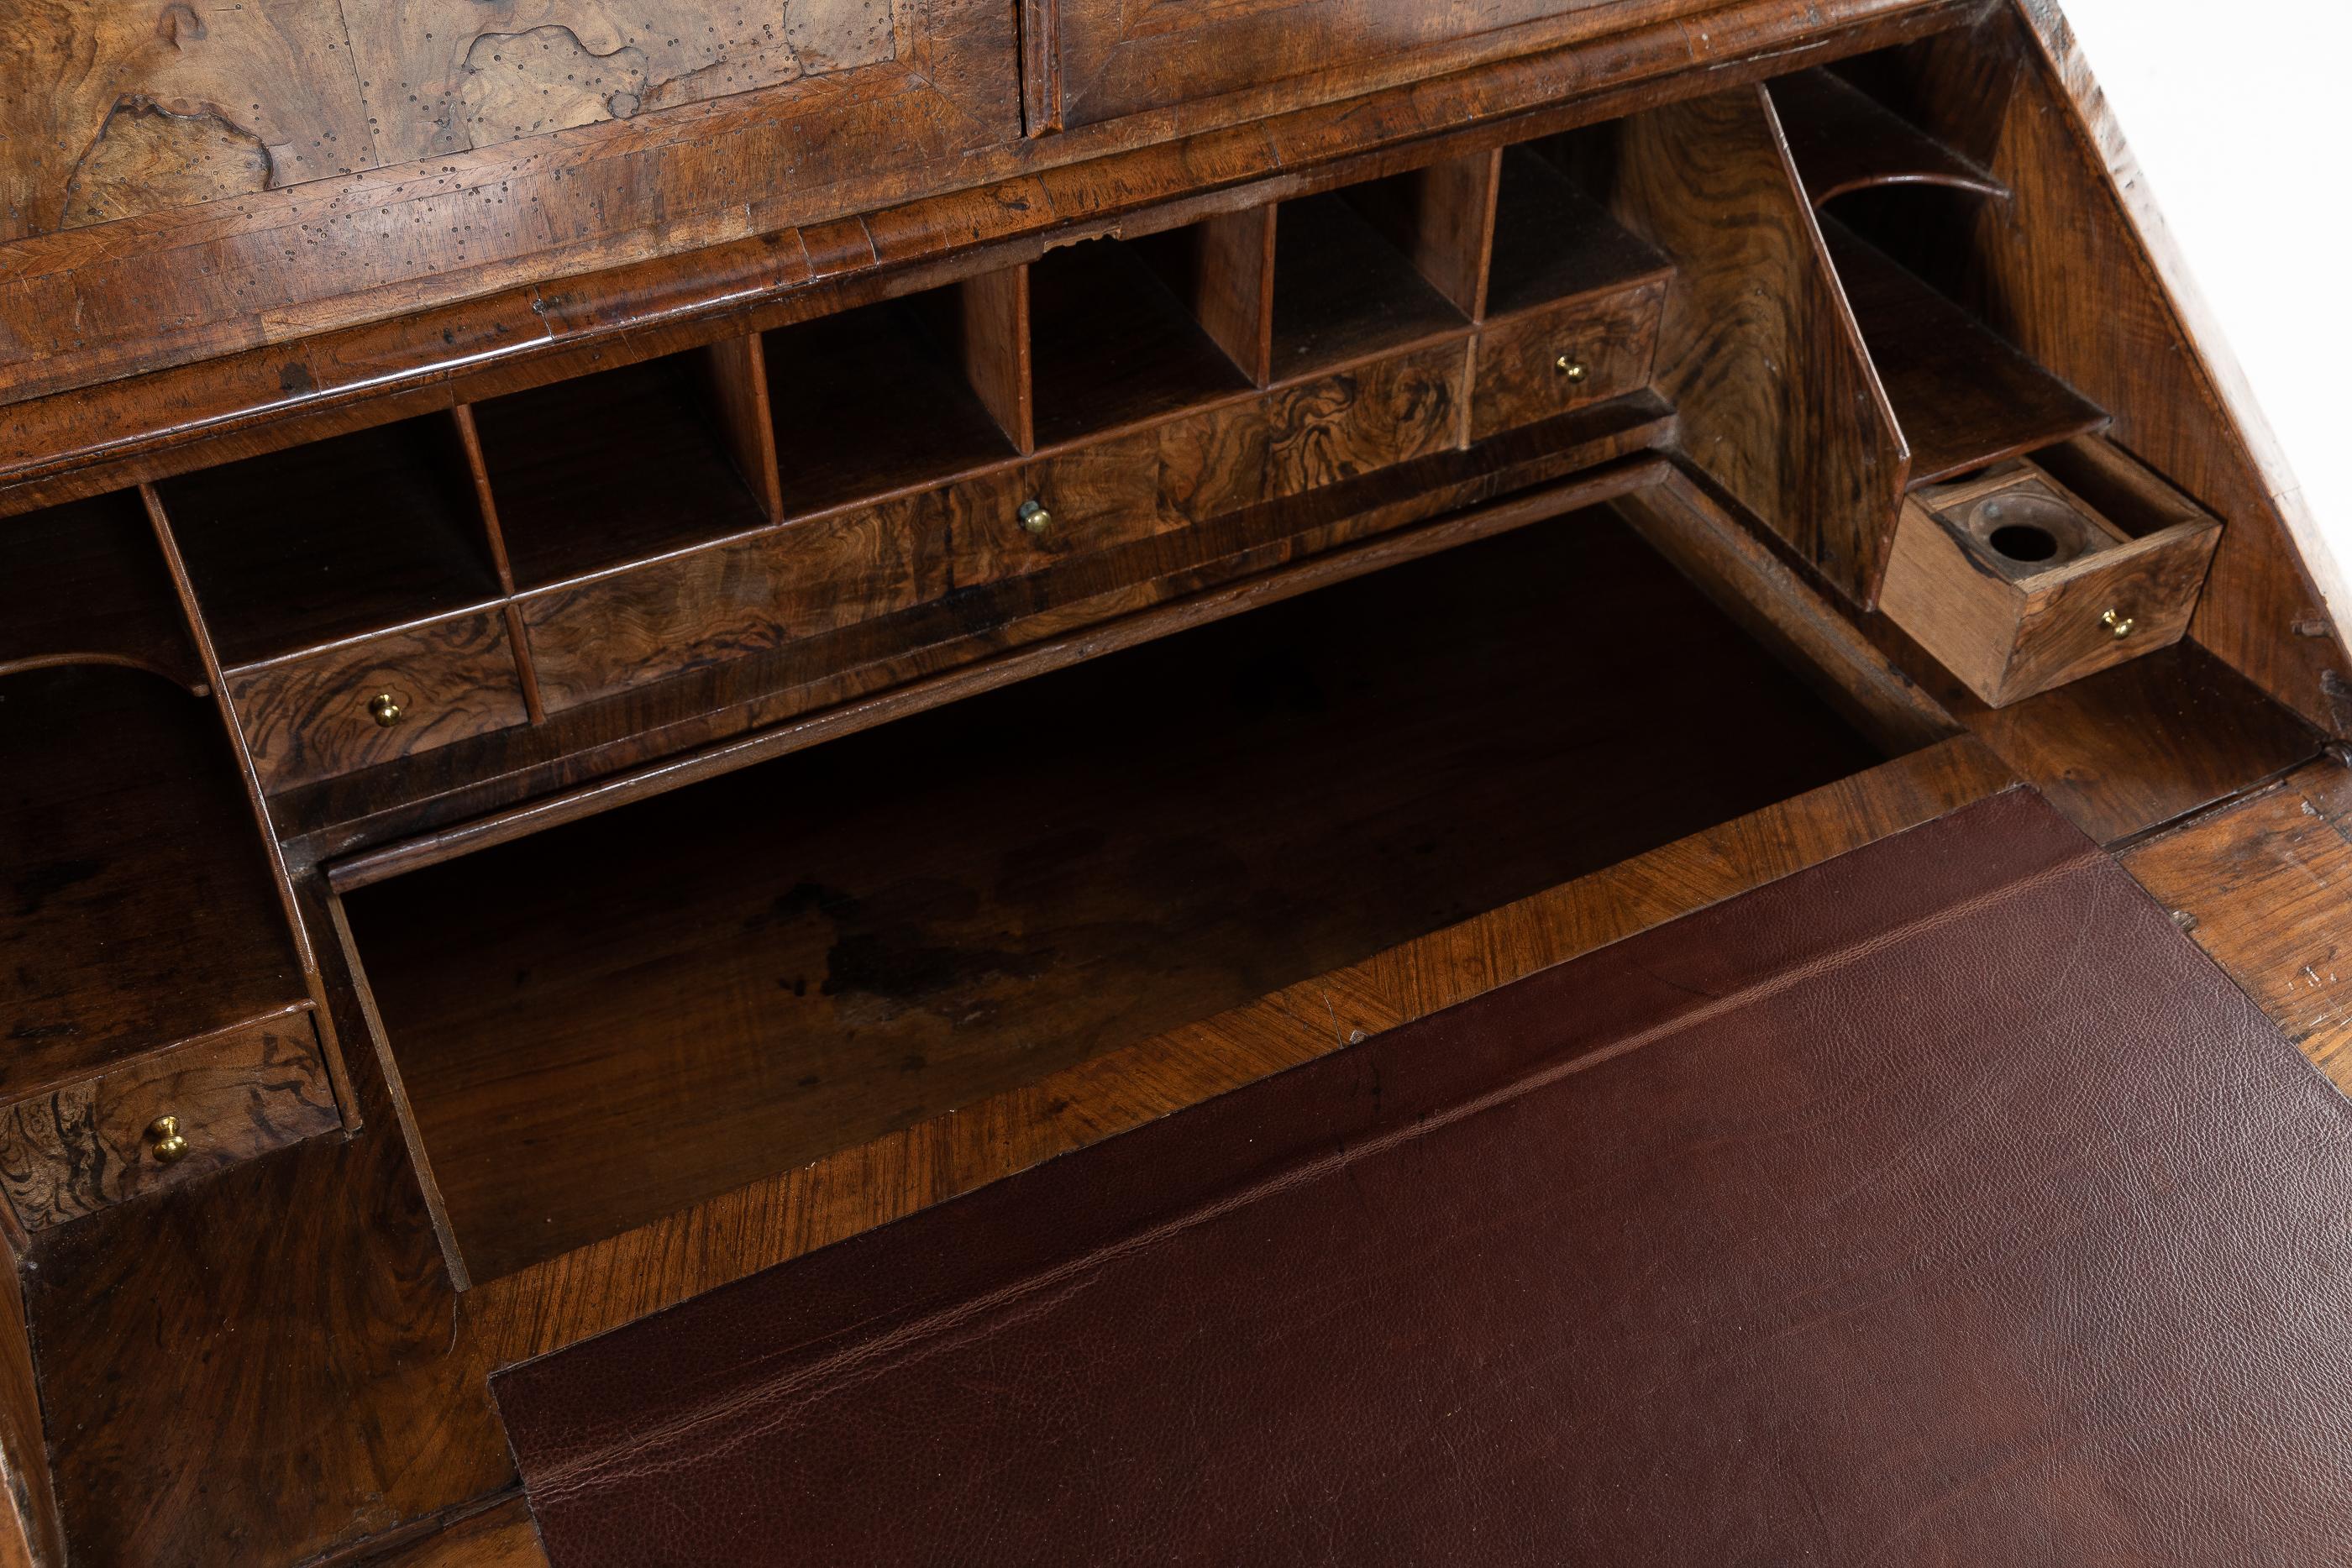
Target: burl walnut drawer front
{"type": "Point", "coordinates": [164, 1119]}
{"type": "Point", "coordinates": [1549, 361]}
{"type": "Point", "coordinates": [1071, 504]}
{"type": "Point", "coordinates": [726, 602]}
{"type": "Point", "coordinates": [350, 708]}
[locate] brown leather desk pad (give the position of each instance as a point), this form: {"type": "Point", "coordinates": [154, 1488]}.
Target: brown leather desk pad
{"type": "Point", "coordinates": [1941, 1205]}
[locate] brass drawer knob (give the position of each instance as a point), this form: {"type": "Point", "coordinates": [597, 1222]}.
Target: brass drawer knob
{"type": "Point", "coordinates": [386, 709]}
{"type": "Point", "coordinates": [1034, 518]}
{"type": "Point", "coordinates": [2121, 625]}
{"type": "Point", "coordinates": [1572, 370]}
{"type": "Point", "coordinates": [170, 1147]}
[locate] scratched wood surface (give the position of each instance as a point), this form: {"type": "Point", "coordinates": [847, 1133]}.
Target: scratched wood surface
{"type": "Point", "coordinates": [111, 109]}
{"type": "Point", "coordinates": [2265, 886]}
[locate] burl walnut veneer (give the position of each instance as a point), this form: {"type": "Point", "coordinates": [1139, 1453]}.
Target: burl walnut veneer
{"type": "Point", "coordinates": [635, 640]}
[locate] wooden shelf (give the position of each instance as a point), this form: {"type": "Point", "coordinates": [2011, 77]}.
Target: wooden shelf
{"type": "Point", "coordinates": [87, 582]}
{"type": "Point", "coordinates": [316, 544]}
{"type": "Point", "coordinates": [139, 909]}
{"type": "Point", "coordinates": [1552, 242]}
{"type": "Point", "coordinates": [607, 469]}
{"type": "Point", "coordinates": [1962, 396]}
{"type": "Point", "coordinates": [871, 402]}
{"type": "Point", "coordinates": [1236, 808]}
{"type": "Point", "coordinates": [1845, 141]}
{"type": "Point", "coordinates": [1112, 346]}
{"type": "Point", "coordinates": [1342, 293]}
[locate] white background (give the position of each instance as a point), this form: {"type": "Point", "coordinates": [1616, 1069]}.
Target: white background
{"type": "Point", "coordinates": [2242, 118]}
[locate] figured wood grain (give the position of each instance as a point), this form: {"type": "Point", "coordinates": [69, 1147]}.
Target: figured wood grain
{"type": "Point", "coordinates": [765, 707]}
{"type": "Point", "coordinates": [1518, 377]}
{"type": "Point", "coordinates": [1758, 349]}
{"type": "Point", "coordinates": [1127, 57]}
{"type": "Point", "coordinates": [2017, 95]}
{"type": "Point", "coordinates": [2265, 887]}
{"type": "Point", "coordinates": [310, 716]}
{"type": "Point", "coordinates": [73, 1151]}
{"type": "Point", "coordinates": [360, 1408]}
{"type": "Point", "coordinates": [762, 248]}
{"type": "Point", "coordinates": [595, 639]}
{"type": "Point", "coordinates": [1243, 807]}
{"type": "Point", "coordinates": [774, 1220]}
{"type": "Point", "coordinates": [137, 908]}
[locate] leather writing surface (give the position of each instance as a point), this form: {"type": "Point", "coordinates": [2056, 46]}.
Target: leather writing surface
{"type": "Point", "coordinates": [1939, 1204]}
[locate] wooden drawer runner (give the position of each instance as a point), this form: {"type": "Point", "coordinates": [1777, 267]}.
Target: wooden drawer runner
{"type": "Point", "coordinates": [320, 715]}
{"type": "Point", "coordinates": [1549, 361]}
{"type": "Point", "coordinates": [753, 595]}
{"type": "Point", "coordinates": [79, 1149]}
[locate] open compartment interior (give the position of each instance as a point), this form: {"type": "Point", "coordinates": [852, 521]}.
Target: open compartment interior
{"type": "Point", "coordinates": [316, 544]}
{"type": "Point", "coordinates": [1113, 345]}
{"type": "Point", "coordinates": [1899, 210]}
{"type": "Point", "coordinates": [1342, 290]}
{"type": "Point", "coordinates": [612, 467]}
{"type": "Point", "coordinates": [878, 399]}
{"type": "Point", "coordinates": [807, 955]}
{"type": "Point", "coordinates": [1553, 241]}
{"type": "Point", "coordinates": [139, 909]}
{"type": "Point", "coordinates": [86, 582]}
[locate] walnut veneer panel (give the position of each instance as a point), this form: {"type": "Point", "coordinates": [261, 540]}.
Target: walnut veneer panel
{"type": "Point", "coordinates": [76, 1150]}
{"type": "Point", "coordinates": [750, 596]}
{"type": "Point", "coordinates": [1550, 361]}
{"type": "Point", "coordinates": [315, 716]}
{"type": "Point", "coordinates": [1124, 56]}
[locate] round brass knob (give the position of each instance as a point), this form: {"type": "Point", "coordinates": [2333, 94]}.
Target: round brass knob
{"type": "Point", "coordinates": [1035, 518]}
{"type": "Point", "coordinates": [1572, 369]}
{"type": "Point", "coordinates": [386, 709]}
{"type": "Point", "coordinates": [170, 1147]}
{"type": "Point", "coordinates": [2121, 625]}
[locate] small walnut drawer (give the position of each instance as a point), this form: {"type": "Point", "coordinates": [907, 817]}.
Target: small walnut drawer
{"type": "Point", "coordinates": [317, 714]}
{"type": "Point", "coordinates": [1545, 363]}
{"type": "Point", "coordinates": [2019, 581]}
{"type": "Point", "coordinates": [229, 1098]}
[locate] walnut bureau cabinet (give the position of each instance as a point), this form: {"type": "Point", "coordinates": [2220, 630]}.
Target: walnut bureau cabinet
{"type": "Point", "coordinates": [633, 640]}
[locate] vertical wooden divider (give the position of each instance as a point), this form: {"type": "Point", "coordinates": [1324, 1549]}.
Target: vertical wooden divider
{"type": "Point", "coordinates": [983, 324]}
{"type": "Point", "coordinates": [735, 374]}
{"type": "Point", "coordinates": [1232, 287]}
{"type": "Point", "coordinates": [1758, 351]}
{"type": "Point", "coordinates": [486, 506]}
{"type": "Point", "coordinates": [1443, 218]}
{"type": "Point", "coordinates": [323, 1017]}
